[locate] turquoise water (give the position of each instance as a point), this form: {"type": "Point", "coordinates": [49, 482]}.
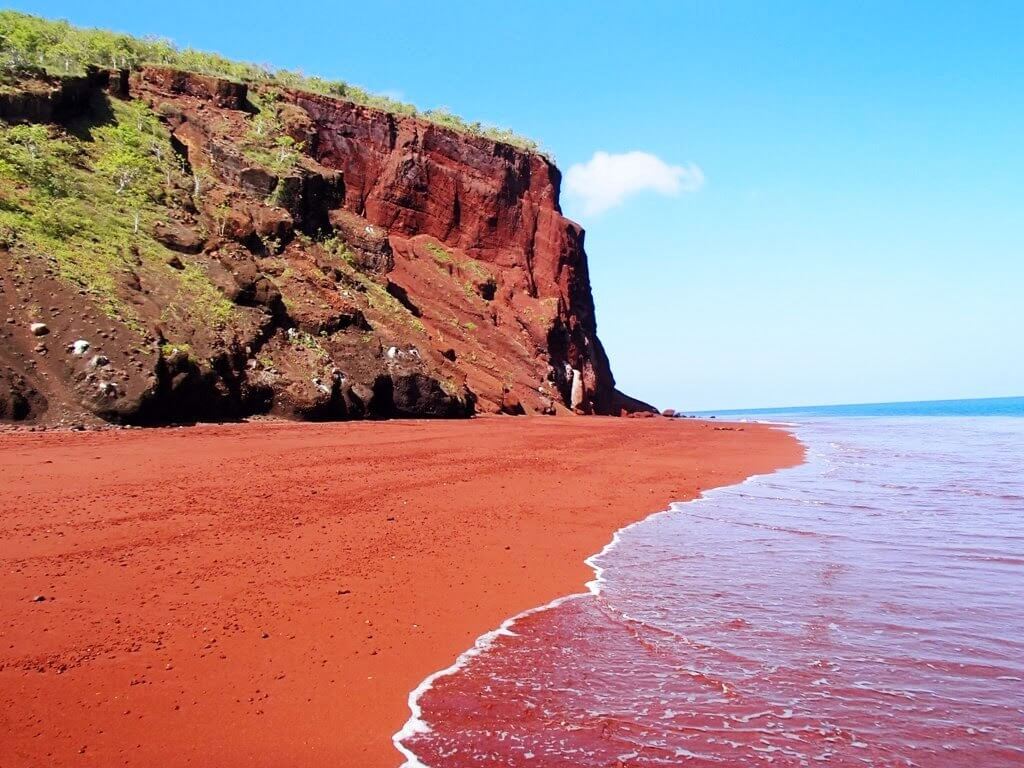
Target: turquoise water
{"type": "Point", "coordinates": [989, 406]}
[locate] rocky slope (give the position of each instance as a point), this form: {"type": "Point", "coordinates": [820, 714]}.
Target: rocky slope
{"type": "Point", "coordinates": [177, 247]}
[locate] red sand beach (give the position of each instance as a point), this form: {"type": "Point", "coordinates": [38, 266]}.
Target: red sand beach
{"type": "Point", "coordinates": [268, 594]}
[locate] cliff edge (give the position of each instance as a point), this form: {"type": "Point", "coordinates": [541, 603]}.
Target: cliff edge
{"type": "Point", "coordinates": [178, 247]}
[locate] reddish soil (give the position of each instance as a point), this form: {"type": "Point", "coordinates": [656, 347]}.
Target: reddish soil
{"type": "Point", "coordinates": [268, 594]}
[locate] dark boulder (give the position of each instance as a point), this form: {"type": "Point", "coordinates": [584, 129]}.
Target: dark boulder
{"type": "Point", "coordinates": [178, 237]}
{"type": "Point", "coordinates": [250, 287]}
{"type": "Point", "coordinates": [420, 396]}
{"type": "Point", "coordinates": [369, 243]}
{"type": "Point", "coordinates": [257, 182]}
{"type": "Point", "coordinates": [510, 404]}
{"type": "Point", "coordinates": [19, 401]}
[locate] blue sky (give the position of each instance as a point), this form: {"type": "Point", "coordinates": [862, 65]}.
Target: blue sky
{"type": "Point", "coordinates": [836, 201]}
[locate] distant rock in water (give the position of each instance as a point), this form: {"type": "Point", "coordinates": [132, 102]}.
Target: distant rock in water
{"type": "Point", "coordinates": [230, 250]}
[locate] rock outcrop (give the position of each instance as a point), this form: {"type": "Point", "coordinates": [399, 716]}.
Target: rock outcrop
{"type": "Point", "coordinates": [484, 202]}
{"type": "Point", "coordinates": [308, 257]}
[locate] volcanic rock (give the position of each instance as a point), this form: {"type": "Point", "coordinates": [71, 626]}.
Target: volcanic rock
{"type": "Point", "coordinates": [355, 264]}
{"type": "Point", "coordinates": [178, 237]}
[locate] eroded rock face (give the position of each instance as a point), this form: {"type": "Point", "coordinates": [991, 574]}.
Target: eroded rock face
{"type": "Point", "coordinates": [220, 92]}
{"type": "Point", "coordinates": [368, 243]}
{"type": "Point", "coordinates": [44, 98]}
{"type": "Point", "coordinates": [485, 201]}
{"type": "Point", "coordinates": [352, 265]}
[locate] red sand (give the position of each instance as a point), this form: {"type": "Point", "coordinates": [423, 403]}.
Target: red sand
{"type": "Point", "coordinates": [268, 594]}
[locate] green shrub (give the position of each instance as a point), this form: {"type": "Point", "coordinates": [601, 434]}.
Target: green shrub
{"type": "Point", "coordinates": [441, 256]}
{"type": "Point", "coordinates": [199, 299]}
{"type": "Point", "coordinates": [65, 49]}
{"type": "Point", "coordinates": [81, 203]}
{"type": "Point", "coordinates": [265, 142]}
{"type": "Point", "coordinates": [170, 350]}
{"type": "Point", "coordinates": [34, 156]}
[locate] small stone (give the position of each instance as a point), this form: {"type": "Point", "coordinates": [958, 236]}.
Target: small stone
{"type": "Point", "coordinates": [39, 329]}
{"type": "Point", "coordinates": [79, 347]}
{"type": "Point", "coordinates": [39, 599]}
{"type": "Point", "coordinates": [265, 635]}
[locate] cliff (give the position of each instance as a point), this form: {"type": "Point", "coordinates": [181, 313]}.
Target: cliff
{"type": "Point", "coordinates": [178, 247]}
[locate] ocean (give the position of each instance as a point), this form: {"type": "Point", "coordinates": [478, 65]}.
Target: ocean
{"type": "Point", "coordinates": [863, 609]}
{"type": "Point", "coordinates": [989, 406]}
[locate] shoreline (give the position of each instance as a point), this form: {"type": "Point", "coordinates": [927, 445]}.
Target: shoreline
{"type": "Point", "coordinates": [328, 570]}
{"type": "Point", "coordinates": [415, 724]}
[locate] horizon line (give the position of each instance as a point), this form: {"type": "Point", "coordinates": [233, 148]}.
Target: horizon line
{"type": "Point", "coordinates": [854, 405]}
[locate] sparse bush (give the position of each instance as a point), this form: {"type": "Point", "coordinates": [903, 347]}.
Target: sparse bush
{"type": "Point", "coordinates": [61, 219]}
{"type": "Point", "coordinates": [170, 350]}
{"type": "Point", "coordinates": [31, 155]}
{"type": "Point", "coordinates": [81, 203]}
{"type": "Point", "coordinates": [441, 256]}
{"type": "Point", "coordinates": [65, 49]}
{"type": "Point", "coordinates": [265, 142]}
{"type": "Point", "coordinates": [138, 159]}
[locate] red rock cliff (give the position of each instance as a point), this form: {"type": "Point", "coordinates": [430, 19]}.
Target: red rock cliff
{"type": "Point", "coordinates": [369, 265]}
{"type": "Point", "coordinates": [487, 201]}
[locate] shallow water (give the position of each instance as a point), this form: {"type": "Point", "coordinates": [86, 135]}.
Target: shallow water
{"type": "Point", "coordinates": [866, 608]}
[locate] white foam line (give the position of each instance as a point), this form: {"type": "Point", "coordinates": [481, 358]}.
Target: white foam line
{"type": "Point", "coordinates": [769, 422]}
{"type": "Point", "coordinates": [416, 725]}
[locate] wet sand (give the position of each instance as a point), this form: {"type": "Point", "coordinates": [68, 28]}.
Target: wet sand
{"type": "Point", "coordinates": [268, 594]}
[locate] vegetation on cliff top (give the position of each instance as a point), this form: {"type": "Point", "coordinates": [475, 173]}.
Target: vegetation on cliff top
{"type": "Point", "coordinates": [62, 49]}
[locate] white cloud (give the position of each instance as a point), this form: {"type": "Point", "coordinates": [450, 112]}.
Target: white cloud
{"type": "Point", "coordinates": [607, 180]}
